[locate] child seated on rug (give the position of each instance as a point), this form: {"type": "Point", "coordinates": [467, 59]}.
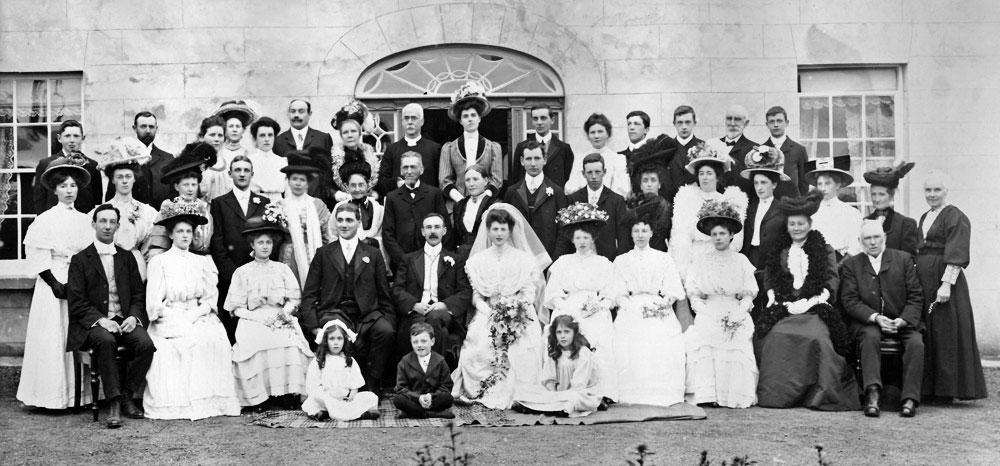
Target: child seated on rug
{"type": "Point", "coordinates": [569, 375]}
{"type": "Point", "coordinates": [334, 378]}
{"type": "Point", "coordinates": [423, 381]}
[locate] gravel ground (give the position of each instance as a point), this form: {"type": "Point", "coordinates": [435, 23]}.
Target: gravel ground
{"type": "Point", "coordinates": [960, 433]}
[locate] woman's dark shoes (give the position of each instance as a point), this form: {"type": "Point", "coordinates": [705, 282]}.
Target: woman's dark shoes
{"type": "Point", "coordinates": [872, 396]}
{"type": "Point", "coordinates": [114, 415]}
{"type": "Point", "coordinates": [370, 415]}
{"type": "Point", "coordinates": [909, 408]}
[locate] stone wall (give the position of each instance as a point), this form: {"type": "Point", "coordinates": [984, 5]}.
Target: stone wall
{"type": "Point", "coordinates": [180, 59]}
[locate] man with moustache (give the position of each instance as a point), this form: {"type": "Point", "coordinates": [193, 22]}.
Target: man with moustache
{"type": "Point", "coordinates": [405, 209]}
{"type": "Point", "coordinates": [430, 151]}
{"type": "Point", "coordinates": [70, 136]}
{"type": "Point", "coordinates": [537, 197]}
{"type": "Point", "coordinates": [795, 153]}
{"type": "Point", "coordinates": [300, 136]}
{"type": "Point", "coordinates": [685, 121]}
{"type": "Point", "coordinates": [737, 119]}
{"type": "Point", "coordinates": [147, 188]}
{"type": "Point", "coordinates": [558, 155]}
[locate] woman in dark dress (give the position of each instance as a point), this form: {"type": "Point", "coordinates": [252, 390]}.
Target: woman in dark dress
{"type": "Point", "coordinates": [801, 339]}
{"type": "Point", "coordinates": [466, 221]}
{"type": "Point", "coordinates": [952, 367]}
{"type": "Point", "coordinates": [647, 169]}
{"type": "Point", "coordinates": [901, 232]}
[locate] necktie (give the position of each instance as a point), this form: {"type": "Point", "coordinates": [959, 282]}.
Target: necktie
{"type": "Point", "coordinates": [731, 143]}
{"type": "Point", "coordinates": [298, 141]}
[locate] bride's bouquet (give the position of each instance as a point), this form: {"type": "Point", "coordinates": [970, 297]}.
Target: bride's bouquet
{"type": "Point", "coordinates": [508, 319]}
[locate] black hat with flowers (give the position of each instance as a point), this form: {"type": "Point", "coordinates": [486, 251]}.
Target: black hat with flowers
{"type": "Point", "coordinates": [172, 212]}
{"type": "Point", "coordinates": [713, 213]}
{"type": "Point", "coordinates": [801, 205]}
{"type": "Point", "coordinates": [471, 93]}
{"type": "Point", "coordinates": [196, 156]}
{"type": "Point", "coordinates": [888, 176]}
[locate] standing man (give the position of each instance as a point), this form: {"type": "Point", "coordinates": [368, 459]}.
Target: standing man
{"type": "Point", "coordinates": [389, 173]}
{"type": "Point", "coordinates": [229, 248]}
{"type": "Point", "coordinates": [614, 237]}
{"type": "Point", "coordinates": [795, 153]}
{"type": "Point", "coordinates": [147, 188]}
{"type": "Point", "coordinates": [537, 197]}
{"type": "Point", "coordinates": [737, 119]}
{"type": "Point", "coordinates": [405, 209]}
{"type": "Point", "coordinates": [431, 286]}
{"type": "Point", "coordinates": [684, 122]}
{"type": "Point", "coordinates": [70, 136]}
{"type": "Point", "coordinates": [316, 143]}
{"type": "Point", "coordinates": [107, 309]}
{"type": "Point", "coordinates": [558, 155]}
{"type": "Point", "coordinates": [637, 124]}
{"type": "Point", "coordinates": [880, 292]}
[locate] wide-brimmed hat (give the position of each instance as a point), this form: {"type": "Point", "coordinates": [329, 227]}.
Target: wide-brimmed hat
{"type": "Point", "coordinates": [121, 152]}
{"type": "Point", "coordinates": [361, 161]}
{"type": "Point", "coordinates": [195, 156]}
{"type": "Point", "coordinates": [473, 92]}
{"type": "Point", "coordinates": [655, 153]}
{"type": "Point", "coordinates": [800, 205]}
{"type": "Point", "coordinates": [648, 208]}
{"type": "Point", "coordinates": [301, 161]}
{"type": "Point", "coordinates": [712, 151]}
{"type": "Point", "coordinates": [236, 109]}
{"type": "Point", "coordinates": [72, 165]}
{"type": "Point", "coordinates": [172, 212]}
{"type": "Point", "coordinates": [354, 110]}
{"type": "Point", "coordinates": [765, 159]}
{"type": "Point", "coordinates": [888, 176]}
{"type": "Point", "coordinates": [713, 211]}
{"type": "Point", "coordinates": [260, 224]}
{"type": "Point", "coordinates": [839, 165]}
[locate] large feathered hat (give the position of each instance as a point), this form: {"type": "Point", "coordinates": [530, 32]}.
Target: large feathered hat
{"type": "Point", "coordinates": [72, 165]}
{"type": "Point", "coordinates": [121, 152]}
{"type": "Point", "coordinates": [713, 211]}
{"type": "Point", "coordinates": [354, 110]}
{"type": "Point", "coordinates": [236, 109]}
{"type": "Point", "coordinates": [712, 151]}
{"type": "Point", "coordinates": [473, 92]}
{"type": "Point", "coordinates": [172, 212]}
{"type": "Point", "coordinates": [655, 155]}
{"type": "Point", "coordinates": [888, 176]}
{"type": "Point", "coordinates": [195, 156]}
{"type": "Point", "coordinates": [765, 159]}
{"type": "Point", "coordinates": [648, 208]}
{"type": "Point", "coordinates": [361, 161]}
{"type": "Point", "coordinates": [839, 166]}
{"type": "Point", "coordinates": [802, 205]}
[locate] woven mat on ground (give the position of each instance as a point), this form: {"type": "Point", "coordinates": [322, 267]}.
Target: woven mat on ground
{"type": "Point", "coordinates": [482, 416]}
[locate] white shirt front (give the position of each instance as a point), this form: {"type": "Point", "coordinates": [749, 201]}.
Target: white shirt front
{"type": "Point", "coordinates": [840, 224]}
{"type": "Point", "coordinates": [107, 254]}
{"type": "Point", "coordinates": [533, 182]}
{"type": "Point", "coordinates": [685, 141]}
{"type": "Point", "coordinates": [594, 196]}
{"type": "Point", "coordinates": [348, 246]}
{"type": "Point", "coordinates": [632, 146]}
{"type": "Point", "coordinates": [424, 361]}
{"type": "Point", "coordinates": [544, 139]}
{"type": "Point", "coordinates": [798, 265]}
{"type": "Point", "coordinates": [471, 146]}
{"type": "Point", "coordinates": [758, 218]}
{"type": "Point", "coordinates": [876, 261]}
{"type": "Point", "coordinates": [779, 141]}
{"type": "Point", "coordinates": [243, 198]}
{"type": "Point", "coordinates": [412, 190]}
{"type": "Point", "coordinates": [471, 211]}
{"type": "Point", "coordinates": [411, 142]}
{"type": "Point", "coordinates": [931, 216]}
{"type": "Point", "coordinates": [431, 255]}
{"type": "Point", "coordinates": [300, 136]}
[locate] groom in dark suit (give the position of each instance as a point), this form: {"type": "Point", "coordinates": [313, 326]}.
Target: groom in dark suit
{"type": "Point", "coordinates": [107, 309]}
{"type": "Point", "coordinates": [537, 197]}
{"type": "Point", "coordinates": [431, 286]}
{"type": "Point", "coordinates": [229, 248]}
{"type": "Point", "coordinates": [347, 282]}
{"type": "Point", "coordinates": [558, 155]}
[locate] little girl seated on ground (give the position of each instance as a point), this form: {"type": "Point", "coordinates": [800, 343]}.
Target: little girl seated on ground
{"type": "Point", "coordinates": [569, 375]}
{"type": "Point", "coordinates": [334, 378]}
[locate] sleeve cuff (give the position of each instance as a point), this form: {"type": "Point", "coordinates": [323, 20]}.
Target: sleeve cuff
{"type": "Point", "coordinates": [951, 272]}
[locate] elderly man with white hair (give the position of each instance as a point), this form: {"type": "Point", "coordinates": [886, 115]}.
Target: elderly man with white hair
{"type": "Point", "coordinates": [389, 174]}
{"type": "Point", "coordinates": [737, 119]}
{"type": "Point", "coordinates": [882, 298]}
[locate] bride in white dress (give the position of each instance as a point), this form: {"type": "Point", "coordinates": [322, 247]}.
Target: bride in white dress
{"type": "Point", "coordinates": [505, 264]}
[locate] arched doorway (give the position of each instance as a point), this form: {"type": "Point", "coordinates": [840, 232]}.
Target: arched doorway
{"type": "Point", "coordinates": [430, 75]}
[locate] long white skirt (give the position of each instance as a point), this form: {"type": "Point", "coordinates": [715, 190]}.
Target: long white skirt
{"type": "Point", "coordinates": [721, 367]}
{"type": "Point", "coordinates": [600, 332]}
{"type": "Point", "coordinates": [649, 354]}
{"type": "Point", "coordinates": [268, 362]}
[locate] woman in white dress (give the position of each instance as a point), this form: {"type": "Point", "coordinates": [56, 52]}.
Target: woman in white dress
{"type": "Point", "coordinates": [191, 376]}
{"type": "Point", "coordinates": [504, 268]}
{"type": "Point", "coordinates": [308, 218]}
{"type": "Point", "coordinates": [184, 172]}
{"type": "Point", "coordinates": [121, 159]}
{"type": "Point", "coordinates": [598, 129]}
{"type": "Point", "coordinates": [721, 368]}
{"type": "Point", "coordinates": [355, 168]}
{"type": "Point", "coordinates": [578, 286]}
{"type": "Point", "coordinates": [267, 180]}
{"type": "Point", "coordinates": [271, 354]}
{"type": "Point", "coordinates": [649, 346]}
{"type": "Point", "coordinates": [47, 371]}
{"type": "Point", "coordinates": [838, 222]}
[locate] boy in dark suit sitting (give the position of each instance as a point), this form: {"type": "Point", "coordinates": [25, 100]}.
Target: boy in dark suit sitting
{"type": "Point", "coordinates": [423, 381]}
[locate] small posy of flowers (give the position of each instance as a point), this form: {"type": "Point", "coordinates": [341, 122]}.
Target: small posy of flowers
{"type": "Point", "coordinates": [448, 260]}
{"type": "Point", "coordinates": [255, 200]}
{"type": "Point", "coordinates": [275, 213]}
{"type": "Point", "coordinates": [732, 325]}
{"type": "Point", "coordinates": [281, 321]}
{"type": "Point", "coordinates": [133, 215]}
{"type": "Point", "coordinates": [659, 310]}
{"type": "Point", "coordinates": [580, 212]}
{"type": "Point", "coordinates": [592, 306]}
{"type": "Point", "coordinates": [469, 89]}
{"type": "Point", "coordinates": [549, 191]}
{"type": "Point", "coordinates": [508, 319]}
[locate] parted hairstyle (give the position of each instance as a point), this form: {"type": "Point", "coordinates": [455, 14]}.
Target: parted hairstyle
{"type": "Point", "coordinates": [641, 114]}
{"type": "Point", "coordinates": [69, 124]}
{"type": "Point", "coordinates": [142, 114]}
{"type": "Point", "coordinates": [421, 327]}
{"type": "Point", "coordinates": [103, 207]}
{"type": "Point", "coordinates": [579, 341]}
{"type": "Point", "coordinates": [348, 207]}
{"type": "Point", "coordinates": [774, 111]}
{"type": "Point", "coordinates": [210, 122]}
{"type": "Point", "coordinates": [684, 110]}
{"type": "Point", "coordinates": [597, 119]}
{"type": "Point", "coordinates": [499, 216]}
{"type": "Point", "coordinates": [263, 122]}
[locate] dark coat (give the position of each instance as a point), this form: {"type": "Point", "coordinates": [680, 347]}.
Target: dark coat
{"type": "Point", "coordinates": [771, 228]}
{"type": "Point", "coordinates": [453, 284]}
{"type": "Point", "coordinates": [542, 217]}
{"type": "Point", "coordinates": [558, 162]}
{"type": "Point", "coordinates": [894, 292]}
{"type": "Point", "coordinates": [615, 237]}
{"type": "Point", "coordinates": [795, 168]}
{"type": "Point", "coordinates": [901, 232]}
{"type": "Point", "coordinates": [463, 238]}
{"type": "Point", "coordinates": [86, 199]}
{"type": "Point", "coordinates": [285, 142]}
{"type": "Point", "coordinates": [404, 216]}
{"type": "Point", "coordinates": [228, 247]}
{"type": "Point", "coordinates": [325, 284]}
{"type": "Point", "coordinates": [677, 175]}
{"type": "Point", "coordinates": [741, 148]}
{"type": "Point", "coordinates": [412, 381]}
{"type": "Point", "coordinates": [388, 171]}
{"type": "Point", "coordinates": [87, 292]}
{"type": "Point", "coordinates": [147, 187]}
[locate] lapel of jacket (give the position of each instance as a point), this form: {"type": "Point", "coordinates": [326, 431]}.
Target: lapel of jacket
{"type": "Point", "coordinates": [256, 208]}
{"type": "Point", "coordinates": [772, 210]}
{"type": "Point", "coordinates": [786, 146]}
{"type": "Point", "coordinates": [442, 265]}
{"type": "Point", "coordinates": [120, 274]}
{"type": "Point", "coordinates": [480, 148]}
{"type": "Point", "coordinates": [601, 201]}
{"type": "Point", "coordinates": [886, 261]}
{"type": "Point", "coordinates": [551, 149]}
{"type": "Point", "coordinates": [483, 205]}
{"type": "Point", "coordinates": [522, 192]}
{"type": "Point", "coordinates": [360, 254]}
{"type": "Point", "coordinates": [234, 205]}
{"type": "Point", "coordinates": [339, 261]}
{"type": "Point", "coordinates": [418, 194]}
{"type": "Point", "coordinates": [95, 260]}
{"type": "Point", "coordinates": [543, 189]}
{"type": "Point", "coordinates": [867, 264]}
{"type": "Point", "coordinates": [288, 138]}
{"type": "Point", "coordinates": [306, 140]}
{"type": "Point", "coordinates": [890, 216]}
{"type": "Point", "coordinates": [418, 264]}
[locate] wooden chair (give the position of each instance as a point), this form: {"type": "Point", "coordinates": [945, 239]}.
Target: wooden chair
{"type": "Point", "coordinates": [83, 363]}
{"type": "Point", "coordinates": [892, 370]}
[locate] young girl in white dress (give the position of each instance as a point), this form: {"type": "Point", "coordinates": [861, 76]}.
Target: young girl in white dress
{"type": "Point", "coordinates": [334, 378]}
{"type": "Point", "coordinates": [569, 375]}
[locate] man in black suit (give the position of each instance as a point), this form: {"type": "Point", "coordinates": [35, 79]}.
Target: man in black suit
{"type": "Point", "coordinates": [229, 248]}
{"type": "Point", "coordinates": [737, 119]}
{"type": "Point", "coordinates": [880, 292]}
{"type": "Point", "coordinates": [431, 286]}
{"type": "Point", "coordinates": [558, 155]}
{"type": "Point", "coordinates": [405, 208]}
{"type": "Point", "coordinates": [70, 136]}
{"type": "Point", "coordinates": [299, 136]}
{"type": "Point", "coordinates": [684, 122]}
{"type": "Point", "coordinates": [347, 282]}
{"type": "Point", "coordinates": [637, 124]}
{"type": "Point", "coordinates": [795, 154]}
{"type": "Point", "coordinates": [390, 176]}
{"type": "Point", "coordinates": [148, 188]}
{"type": "Point", "coordinates": [614, 237]}
{"type": "Point", "coordinates": [107, 309]}
{"type": "Point", "coordinates": [537, 197]}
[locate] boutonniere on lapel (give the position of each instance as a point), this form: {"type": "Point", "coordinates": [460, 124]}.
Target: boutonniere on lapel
{"type": "Point", "coordinates": [549, 191]}
{"type": "Point", "coordinates": [448, 260]}
{"type": "Point", "coordinates": [256, 200]}
{"type": "Point", "coordinates": [365, 259]}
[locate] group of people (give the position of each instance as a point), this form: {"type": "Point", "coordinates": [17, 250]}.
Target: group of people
{"type": "Point", "coordinates": [311, 272]}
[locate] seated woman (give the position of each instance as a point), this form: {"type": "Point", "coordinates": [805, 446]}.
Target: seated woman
{"type": "Point", "coordinates": [191, 376]}
{"type": "Point", "coordinates": [647, 167]}
{"type": "Point", "coordinates": [185, 173]}
{"type": "Point", "coordinates": [570, 376]}
{"type": "Point", "coordinates": [267, 180]}
{"type": "Point", "coordinates": [649, 346]}
{"type": "Point", "coordinates": [578, 286]}
{"type": "Point", "coordinates": [598, 130]}
{"type": "Point", "coordinates": [47, 372]}
{"type": "Point", "coordinates": [355, 173]}
{"type": "Point", "coordinates": [721, 287]}
{"type": "Point", "coordinates": [468, 107]}
{"type": "Point", "coordinates": [468, 213]}
{"type": "Point", "coordinates": [504, 269]}
{"type": "Point", "coordinates": [121, 160]}
{"type": "Point", "coordinates": [801, 339]}
{"type": "Point", "coordinates": [307, 217]}
{"type": "Point", "coordinates": [271, 355]}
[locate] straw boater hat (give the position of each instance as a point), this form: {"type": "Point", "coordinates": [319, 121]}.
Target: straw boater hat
{"type": "Point", "coordinates": [172, 212]}
{"type": "Point", "coordinates": [195, 156]}
{"type": "Point", "coordinates": [300, 161]}
{"type": "Point", "coordinates": [713, 151]}
{"type": "Point", "coordinates": [72, 165]}
{"type": "Point", "coordinates": [765, 159]}
{"type": "Point", "coordinates": [470, 91]}
{"type": "Point", "coordinates": [839, 165]}
{"type": "Point", "coordinates": [801, 205]}
{"type": "Point", "coordinates": [582, 214]}
{"type": "Point", "coordinates": [122, 152]}
{"type": "Point", "coordinates": [713, 211]}
{"type": "Point", "coordinates": [888, 176]}
{"type": "Point", "coordinates": [236, 109]}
